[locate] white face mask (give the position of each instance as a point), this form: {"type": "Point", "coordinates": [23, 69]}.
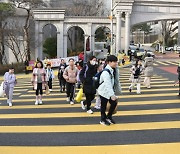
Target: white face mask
{"type": "Point", "coordinates": [93, 62]}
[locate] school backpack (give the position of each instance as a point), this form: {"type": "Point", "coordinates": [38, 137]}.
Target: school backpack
{"type": "Point", "coordinates": [137, 73]}
{"type": "Point", "coordinates": [96, 78]}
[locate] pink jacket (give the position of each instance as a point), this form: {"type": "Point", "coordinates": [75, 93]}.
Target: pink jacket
{"type": "Point", "coordinates": [70, 75]}
{"type": "Point", "coordinates": [35, 75]}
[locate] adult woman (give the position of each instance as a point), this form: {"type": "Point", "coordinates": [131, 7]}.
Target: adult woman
{"type": "Point", "coordinates": [148, 72]}
{"type": "Point", "coordinates": [86, 77]}
{"type": "Point", "coordinates": [39, 81]}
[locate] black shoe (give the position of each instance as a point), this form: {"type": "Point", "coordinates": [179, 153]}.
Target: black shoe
{"type": "Point", "coordinates": [104, 122]}
{"type": "Point", "coordinates": [110, 120]}
{"type": "Point", "coordinates": [130, 90]}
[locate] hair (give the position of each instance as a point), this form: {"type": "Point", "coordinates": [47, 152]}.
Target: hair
{"type": "Point", "coordinates": [112, 58]}
{"type": "Point", "coordinates": [91, 58]}
{"type": "Point", "coordinates": [40, 63]}
{"type": "Point", "coordinates": [71, 59]}
{"type": "Point", "coordinates": [48, 64]}
{"type": "Point", "coordinates": [11, 68]}
{"type": "Point", "coordinates": [149, 55]}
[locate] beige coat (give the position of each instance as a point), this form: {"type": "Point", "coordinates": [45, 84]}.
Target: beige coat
{"type": "Point", "coordinates": [70, 75]}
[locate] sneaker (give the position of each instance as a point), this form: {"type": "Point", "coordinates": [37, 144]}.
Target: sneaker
{"type": "Point", "coordinates": [10, 104]}
{"type": "Point", "coordinates": [40, 102]}
{"type": "Point", "coordinates": [130, 90]}
{"type": "Point", "coordinates": [97, 107]}
{"type": "Point", "coordinates": [68, 99]}
{"type": "Point", "coordinates": [50, 90]}
{"type": "Point", "coordinates": [106, 123]}
{"type": "Point", "coordinates": [71, 102]}
{"type": "Point", "coordinates": [90, 111]}
{"type": "Point", "coordinates": [36, 103]}
{"type": "Point", "coordinates": [110, 120]}
{"type": "Point", "coordinates": [83, 106]}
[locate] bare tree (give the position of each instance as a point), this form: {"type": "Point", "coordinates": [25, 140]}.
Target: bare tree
{"type": "Point", "coordinates": [166, 31]}
{"type": "Point", "coordinates": [15, 41]}
{"type": "Point", "coordinates": [27, 5]}
{"type": "Point", "coordinates": [86, 8]}
{"type": "Point", "coordinates": [6, 10]}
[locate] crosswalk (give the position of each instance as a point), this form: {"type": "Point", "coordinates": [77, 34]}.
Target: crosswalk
{"type": "Point", "coordinates": [147, 123]}
{"type": "Point", "coordinates": [166, 63]}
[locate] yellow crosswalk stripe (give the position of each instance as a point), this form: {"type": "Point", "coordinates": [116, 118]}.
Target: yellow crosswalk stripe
{"type": "Point", "coordinates": [90, 128]}
{"type": "Point", "coordinates": [162, 63]}
{"type": "Point", "coordinates": [84, 114]}
{"type": "Point", "coordinates": [121, 96]}
{"type": "Point", "coordinates": [23, 106]}
{"type": "Point", "coordinates": [159, 148]}
{"type": "Point", "coordinates": [170, 62]}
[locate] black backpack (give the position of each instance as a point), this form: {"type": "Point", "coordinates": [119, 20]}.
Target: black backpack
{"type": "Point", "coordinates": [137, 73]}
{"type": "Point", "coordinates": [96, 78]}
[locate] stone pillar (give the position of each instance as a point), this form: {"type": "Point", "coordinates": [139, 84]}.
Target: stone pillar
{"type": "Point", "coordinates": [40, 48]}
{"type": "Point", "coordinates": [118, 32]}
{"type": "Point", "coordinates": [36, 39]}
{"type": "Point", "coordinates": [178, 42]}
{"type": "Point", "coordinates": [60, 40]}
{"type": "Point", "coordinates": [92, 43]}
{"type": "Point", "coordinates": [127, 31]}
{"type": "Point", "coordinates": [85, 52]}
{"type": "Point", "coordinates": [65, 45]}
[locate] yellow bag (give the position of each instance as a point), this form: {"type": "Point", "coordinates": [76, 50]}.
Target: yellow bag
{"type": "Point", "coordinates": [79, 95]}
{"type": "Point", "coordinates": [47, 90]}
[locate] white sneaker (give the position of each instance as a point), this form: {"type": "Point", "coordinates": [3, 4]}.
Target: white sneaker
{"type": "Point", "coordinates": [50, 90]}
{"type": "Point", "coordinates": [83, 106]}
{"type": "Point", "coordinates": [97, 107]}
{"type": "Point", "coordinates": [71, 102]}
{"type": "Point", "coordinates": [10, 104]}
{"type": "Point", "coordinates": [37, 102]}
{"type": "Point", "coordinates": [90, 111]}
{"type": "Point", "coordinates": [68, 99]}
{"type": "Point", "coordinates": [40, 102]}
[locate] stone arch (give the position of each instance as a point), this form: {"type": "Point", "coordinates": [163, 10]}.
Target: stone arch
{"type": "Point", "coordinates": [105, 29]}
{"type": "Point", "coordinates": [75, 25]}
{"type": "Point", "coordinates": [75, 40]}
{"type": "Point", "coordinates": [49, 31]}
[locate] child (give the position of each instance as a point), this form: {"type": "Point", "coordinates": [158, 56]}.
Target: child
{"type": "Point", "coordinates": [49, 76]}
{"type": "Point", "coordinates": [136, 71]}
{"type": "Point", "coordinates": [98, 100]}
{"type": "Point", "coordinates": [9, 83]}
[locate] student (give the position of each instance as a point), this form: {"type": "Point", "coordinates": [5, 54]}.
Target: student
{"type": "Point", "coordinates": [9, 83]}
{"type": "Point", "coordinates": [70, 75]}
{"type": "Point", "coordinates": [109, 89]}
{"type": "Point", "coordinates": [62, 81]}
{"type": "Point", "coordinates": [39, 81]}
{"type": "Point", "coordinates": [49, 76]}
{"type": "Point", "coordinates": [86, 77]}
{"type": "Point", "coordinates": [135, 78]}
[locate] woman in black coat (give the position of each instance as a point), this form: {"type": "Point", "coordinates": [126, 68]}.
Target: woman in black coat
{"type": "Point", "coordinates": [86, 76]}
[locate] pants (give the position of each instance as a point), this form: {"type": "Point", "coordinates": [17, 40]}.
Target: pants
{"type": "Point", "coordinates": [89, 98]}
{"type": "Point", "coordinates": [136, 82]}
{"type": "Point", "coordinates": [104, 102]}
{"type": "Point", "coordinates": [147, 81]}
{"type": "Point", "coordinates": [70, 90]}
{"type": "Point", "coordinates": [62, 84]}
{"type": "Point", "coordinates": [39, 89]}
{"type": "Point", "coordinates": [98, 101]}
{"type": "Point", "coordinates": [50, 83]}
{"type": "Point", "coordinates": [9, 93]}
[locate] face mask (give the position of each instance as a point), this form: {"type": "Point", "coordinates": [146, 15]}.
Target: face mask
{"type": "Point", "coordinates": [93, 63]}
